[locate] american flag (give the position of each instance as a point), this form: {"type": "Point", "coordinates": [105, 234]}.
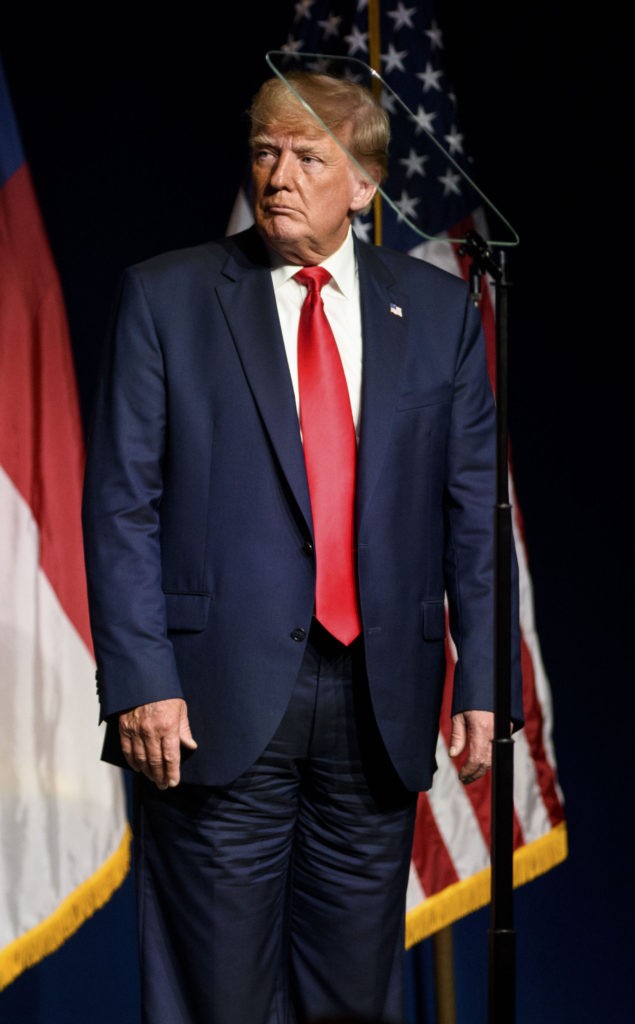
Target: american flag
{"type": "Point", "coordinates": [431, 196]}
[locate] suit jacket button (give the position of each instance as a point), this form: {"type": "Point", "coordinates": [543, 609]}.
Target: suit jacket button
{"type": "Point", "coordinates": [307, 547]}
{"type": "Point", "coordinates": [298, 634]}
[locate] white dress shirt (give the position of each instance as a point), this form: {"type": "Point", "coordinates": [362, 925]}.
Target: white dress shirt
{"type": "Point", "coordinates": [342, 308]}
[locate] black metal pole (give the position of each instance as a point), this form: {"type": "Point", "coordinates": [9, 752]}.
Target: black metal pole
{"type": "Point", "coordinates": [502, 937]}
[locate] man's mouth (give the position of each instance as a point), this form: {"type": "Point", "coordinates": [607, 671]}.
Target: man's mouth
{"type": "Point", "coordinates": [278, 208]}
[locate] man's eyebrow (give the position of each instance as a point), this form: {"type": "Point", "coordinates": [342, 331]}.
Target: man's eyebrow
{"type": "Point", "coordinates": [304, 145]}
{"type": "Point", "coordinates": [314, 146]}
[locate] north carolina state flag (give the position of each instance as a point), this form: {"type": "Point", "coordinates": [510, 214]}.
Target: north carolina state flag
{"type": "Point", "coordinates": [64, 839]}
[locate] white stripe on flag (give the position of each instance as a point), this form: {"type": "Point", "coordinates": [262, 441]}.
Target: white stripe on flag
{"type": "Point", "coordinates": [530, 636]}
{"type": "Point", "coordinates": [415, 893]}
{"type": "Point", "coordinates": [455, 817]}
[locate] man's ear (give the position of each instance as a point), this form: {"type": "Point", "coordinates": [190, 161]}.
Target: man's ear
{"type": "Point", "coordinates": [363, 193]}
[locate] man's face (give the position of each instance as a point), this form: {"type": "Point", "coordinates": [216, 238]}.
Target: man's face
{"type": "Point", "coordinates": [305, 192]}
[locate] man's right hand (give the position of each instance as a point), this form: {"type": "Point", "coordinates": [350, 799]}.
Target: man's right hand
{"type": "Point", "coordinates": [151, 737]}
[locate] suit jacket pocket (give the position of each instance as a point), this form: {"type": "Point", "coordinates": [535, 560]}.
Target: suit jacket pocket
{"type": "Point", "coordinates": [187, 613]}
{"type": "Point", "coordinates": [418, 397]}
{"type": "Point", "coordinates": [433, 620]}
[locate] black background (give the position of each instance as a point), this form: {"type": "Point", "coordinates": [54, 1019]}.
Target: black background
{"type": "Point", "coordinates": [135, 140]}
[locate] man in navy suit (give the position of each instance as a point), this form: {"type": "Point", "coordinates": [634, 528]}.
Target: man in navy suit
{"type": "Point", "coordinates": [277, 766]}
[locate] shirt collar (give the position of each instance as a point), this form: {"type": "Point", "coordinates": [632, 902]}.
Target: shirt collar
{"type": "Point", "coordinates": [340, 265]}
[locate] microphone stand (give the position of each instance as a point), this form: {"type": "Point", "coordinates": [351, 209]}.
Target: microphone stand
{"type": "Point", "coordinates": [502, 937]}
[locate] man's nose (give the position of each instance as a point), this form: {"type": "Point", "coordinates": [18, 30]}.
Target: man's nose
{"type": "Point", "coordinates": [281, 174]}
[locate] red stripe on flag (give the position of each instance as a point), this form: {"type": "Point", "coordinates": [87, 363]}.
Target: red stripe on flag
{"type": "Point", "coordinates": [41, 441]}
{"type": "Point", "coordinates": [534, 722]}
{"type": "Point", "coordinates": [430, 855]}
{"type": "Point", "coordinates": [534, 731]}
{"type": "Point", "coordinates": [545, 773]}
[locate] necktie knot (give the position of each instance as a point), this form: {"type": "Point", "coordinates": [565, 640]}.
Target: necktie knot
{"type": "Point", "coordinates": [314, 278]}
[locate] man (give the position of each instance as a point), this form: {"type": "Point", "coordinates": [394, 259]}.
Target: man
{"type": "Point", "coordinates": [278, 742]}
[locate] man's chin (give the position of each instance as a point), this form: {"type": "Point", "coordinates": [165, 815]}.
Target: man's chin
{"type": "Point", "coordinates": [280, 226]}
{"type": "Point", "coordinates": [283, 238]}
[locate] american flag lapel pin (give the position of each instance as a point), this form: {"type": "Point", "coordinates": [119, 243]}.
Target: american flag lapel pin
{"type": "Point", "coordinates": [395, 309]}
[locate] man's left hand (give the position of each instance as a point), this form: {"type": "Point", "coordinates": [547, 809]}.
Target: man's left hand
{"type": "Point", "coordinates": [476, 730]}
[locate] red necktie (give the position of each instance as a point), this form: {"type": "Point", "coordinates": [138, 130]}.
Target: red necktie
{"type": "Point", "coordinates": [330, 451]}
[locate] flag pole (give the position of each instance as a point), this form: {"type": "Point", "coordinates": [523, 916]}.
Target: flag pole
{"type": "Point", "coordinates": [502, 947]}
{"type": "Point", "coordinates": [374, 54]}
{"type": "Point", "coordinates": [445, 995]}
{"type": "Point", "coordinates": [502, 937]}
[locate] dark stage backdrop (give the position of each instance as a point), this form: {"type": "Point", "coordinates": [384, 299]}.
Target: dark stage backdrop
{"type": "Point", "coordinates": [136, 145]}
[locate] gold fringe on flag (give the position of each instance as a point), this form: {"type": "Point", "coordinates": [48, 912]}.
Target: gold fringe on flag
{"type": "Point", "coordinates": [462, 898]}
{"type": "Point", "coordinates": [50, 934]}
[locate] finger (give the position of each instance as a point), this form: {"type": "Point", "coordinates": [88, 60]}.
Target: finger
{"type": "Point", "coordinates": [185, 733]}
{"type": "Point", "coordinates": [145, 750]}
{"type": "Point", "coordinates": [171, 753]}
{"type": "Point", "coordinates": [152, 762]}
{"type": "Point", "coordinates": [164, 765]}
{"type": "Point", "coordinates": [131, 760]}
{"type": "Point", "coordinates": [471, 771]}
{"type": "Point", "coordinates": [457, 736]}
{"type": "Point", "coordinates": [132, 752]}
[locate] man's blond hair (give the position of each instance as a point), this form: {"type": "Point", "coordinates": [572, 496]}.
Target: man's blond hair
{"type": "Point", "coordinates": [338, 103]}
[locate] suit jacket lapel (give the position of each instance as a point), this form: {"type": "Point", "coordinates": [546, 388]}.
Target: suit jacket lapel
{"type": "Point", "coordinates": [384, 327]}
{"type": "Point", "coordinates": [249, 304]}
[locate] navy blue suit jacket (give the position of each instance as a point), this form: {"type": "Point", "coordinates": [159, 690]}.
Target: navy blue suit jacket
{"type": "Point", "coordinates": [197, 522]}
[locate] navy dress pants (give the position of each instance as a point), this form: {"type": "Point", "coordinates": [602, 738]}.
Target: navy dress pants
{"type": "Point", "coordinates": [280, 899]}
